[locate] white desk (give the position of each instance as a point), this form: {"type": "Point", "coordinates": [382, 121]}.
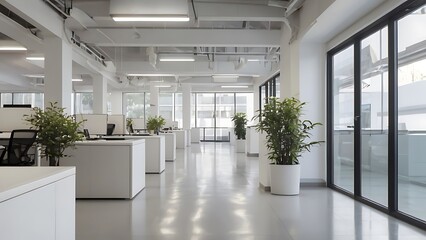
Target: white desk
{"type": "Point", "coordinates": [37, 203]}
{"type": "Point", "coordinates": [108, 169]}
{"type": "Point", "coordinates": [170, 139]}
{"type": "Point", "coordinates": [155, 154]}
{"type": "Point", "coordinates": [181, 138]}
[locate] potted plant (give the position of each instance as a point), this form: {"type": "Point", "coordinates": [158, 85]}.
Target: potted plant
{"type": "Point", "coordinates": [286, 135]}
{"type": "Point", "coordinates": [129, 125]}
{"type": "Point", "coordinates": [155, 123]}
{"type": "Point", "coordinates": [56, 131]}
{"type": "Point", "coordinates": [240, 121]}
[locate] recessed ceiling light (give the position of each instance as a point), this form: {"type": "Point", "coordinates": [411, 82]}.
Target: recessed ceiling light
{"type": "Point", "coordinates": [14, 48]}
{"type": "Point", "coordinates": [237, 86]}
{"type": "Point", "coordinates": [150, 18]}
{"type": "Point", "coordinates": [35, 58]}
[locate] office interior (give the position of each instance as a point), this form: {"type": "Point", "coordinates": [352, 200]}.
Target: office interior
{"type": "Point", "coordinates": [360, 65]}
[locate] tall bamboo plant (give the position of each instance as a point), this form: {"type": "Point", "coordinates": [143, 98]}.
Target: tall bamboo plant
{"type": "Point", "coordinates": [286, 133]}
{"type": "Point", "coordinates": [240, 121]}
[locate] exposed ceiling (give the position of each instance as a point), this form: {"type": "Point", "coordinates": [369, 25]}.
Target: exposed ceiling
{"type": "Point", "coordinates": [223, 36]}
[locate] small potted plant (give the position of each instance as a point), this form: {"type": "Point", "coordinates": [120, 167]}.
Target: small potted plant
{"type": "Point", "coordinates": [56, 131]}
{"type": "Point", "coordinates": [129, 125]}
{"type": "Point", "coordinates": [240, 121]}
{"type": "Point", "coordinates": [286, 135]}
{"type": "Point", "coordinates": [155, 123]}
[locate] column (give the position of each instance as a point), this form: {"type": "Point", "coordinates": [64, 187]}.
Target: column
{"type": "Point", "coordinates": [100, 94]}
{"type": "Point", "coordinates": [153, 100]}
{"type": "Point", "coordinates": [116, 99]}
{"type": "Point", "coordinates": [186, 106]}
{"type": "Point", "coordinates": [58, 72]}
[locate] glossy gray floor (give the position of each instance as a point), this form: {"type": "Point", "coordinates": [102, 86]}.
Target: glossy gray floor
{"type": "Point", "coordinates": [212, 193]}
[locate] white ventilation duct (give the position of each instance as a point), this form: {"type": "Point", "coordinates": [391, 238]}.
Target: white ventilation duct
{"type": "Point", "coordinates": [172, 8]}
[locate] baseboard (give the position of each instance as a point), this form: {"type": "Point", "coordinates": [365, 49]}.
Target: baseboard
{"type": "Point", "coordinates": [312, 182]}
{"type": "Point", "coordinates": [252, 154]}
{"type": "Point", "coordinates": [265, 188]}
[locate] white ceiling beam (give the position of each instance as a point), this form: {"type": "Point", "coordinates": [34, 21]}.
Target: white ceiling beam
{"type": "Point", "coordinates": [38, 13]}
{"type": "Point", "coordinates": [195, 68]}
{"type": "Point", "coordinates": [207, 11]}
{"type": "Point", "coordinates": [181, 37]}
{"type": "Point", "coordinates": [20, 34]}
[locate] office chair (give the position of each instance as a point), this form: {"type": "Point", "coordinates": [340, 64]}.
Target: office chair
{"type": "Point", "coordinates": [110, 129]}
{"type": "Point", "coordinates": [20, 142]}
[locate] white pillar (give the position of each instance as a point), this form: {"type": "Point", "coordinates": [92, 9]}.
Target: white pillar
{"type": "Point", "coordinates": [100, 94]}
{"type": "Point", "coordinates": [116, 99]}
{"type": "Point", "coordinates": [153, 100]}
{"type": "Point", "coordinates": [186, 106]}
{"type": "Point", "coordinates": [58, 72]}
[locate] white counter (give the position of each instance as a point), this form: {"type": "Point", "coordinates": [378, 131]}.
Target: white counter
{"type": "Point", "coordinates": [108, 169]}
{"type": "Point", "coordinates": [181, 138]}
{"type": "Point", "coordinates": [43, 196]}
{"type": "Point", "coordinates": [155, 154]}
{"type": "Point", "coordinates": [170, 139]}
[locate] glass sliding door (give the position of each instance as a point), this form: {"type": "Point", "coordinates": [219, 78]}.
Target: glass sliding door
{"type": "Point", "coordinates": [374, 118]}
{"type": "Point", "coordinates": [343, 112]}
{"type": "Point", "coordinates": [411, 112]}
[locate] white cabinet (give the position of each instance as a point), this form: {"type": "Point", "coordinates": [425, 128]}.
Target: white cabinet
{"type": "Point", "coordinates": [170, 148]}
{"type": "Point", "coordinates": [108, 169]}
{"type": "Point", "coordinates": [37, 203]}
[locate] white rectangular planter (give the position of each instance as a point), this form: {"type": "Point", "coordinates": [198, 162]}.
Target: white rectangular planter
{"type": "Point", "coordinates": [240, 145]}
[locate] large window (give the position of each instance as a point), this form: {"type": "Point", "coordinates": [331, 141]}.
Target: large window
{"type": "Point", "coordinates": [83, 103]}
{"type": "Point", "coordinates": [270, 88]}
{"type": "Point", "coordinates": [35, 99]}
{"type": "Point", "coordinates": [134, 105]}
{"type": "Point", "coordinates": [376, 86]}
{"type": "Point", "coordinates": [212, 112]}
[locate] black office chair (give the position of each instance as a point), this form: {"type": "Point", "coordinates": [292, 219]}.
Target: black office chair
{"type": "Point", "coordinates": [110, 129]}
{"type": "Point", "coordinates": [16, 153]}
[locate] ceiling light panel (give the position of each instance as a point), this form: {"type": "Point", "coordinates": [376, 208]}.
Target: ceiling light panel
{"type": "Point", "coordinates": [148, 10]}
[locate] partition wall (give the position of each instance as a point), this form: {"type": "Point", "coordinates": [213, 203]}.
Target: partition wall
{"type": "Point", "coordinates": [377, 114]}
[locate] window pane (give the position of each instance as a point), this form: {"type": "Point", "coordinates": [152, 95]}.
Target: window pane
{"type": "Point", "coordinates": [374, 120]}
{"type": "Point", "coordinates": [343, 112]}
{"type": "Point", "coordinates": [178, 109]}
{"type": "Point", "coordinates": [165, 107]}
{"type": "Point", "coordinates": [6, 98]}
{"type": "Point", "coordinates": [134, 105]}
{"type": "Point", "coordinates": [245, 104]}
{"type": "Point", "coordinates": [84, 103]}
{"type": "Point", "coordinates": [35, 99]}
{"type": "Point", "coordinates": [412, 113]}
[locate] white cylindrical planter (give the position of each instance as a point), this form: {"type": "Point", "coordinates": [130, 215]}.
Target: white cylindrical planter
{"type": "Point", "coordinates": [285, 179]}
{"type": "Point", "coordinates": [240, 145]}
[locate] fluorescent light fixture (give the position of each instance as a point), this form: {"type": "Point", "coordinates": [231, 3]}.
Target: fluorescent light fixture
{"type": "Point", "coordinates": [162, 86]}
{"type": "Point", "coordinates": [34, 75]}
{"type": "Point", "coordinates": [150, 75]}
{"type": "Point", "coordinates": [35, 58]}
{"type": "Point", "coordinates": [12, 48]}
{"type": "Point", "coordinates": [77, 80]}
{"type": "Point", "coordinates": [254, 60]}
{"type": "Point", "coordinates": [237, 86]}
{"type": "Point", "coordinates": [255, 75]}
{"type": "Point", "coordinates": [177, 59]}
{"type": "Point", "coordinates": [150, 18]}
{"type": "Point", "coordinates": [157, 81]}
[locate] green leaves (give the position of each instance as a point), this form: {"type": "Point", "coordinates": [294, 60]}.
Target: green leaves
{"type": "Point", "coordinates": [155, 123]}
{"type": "Point", "coordinates": [285, 131]}
{"type": "Point", "coordinates": [56, 130]}
{"type": "Point", "coordinates": [240, 121]}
